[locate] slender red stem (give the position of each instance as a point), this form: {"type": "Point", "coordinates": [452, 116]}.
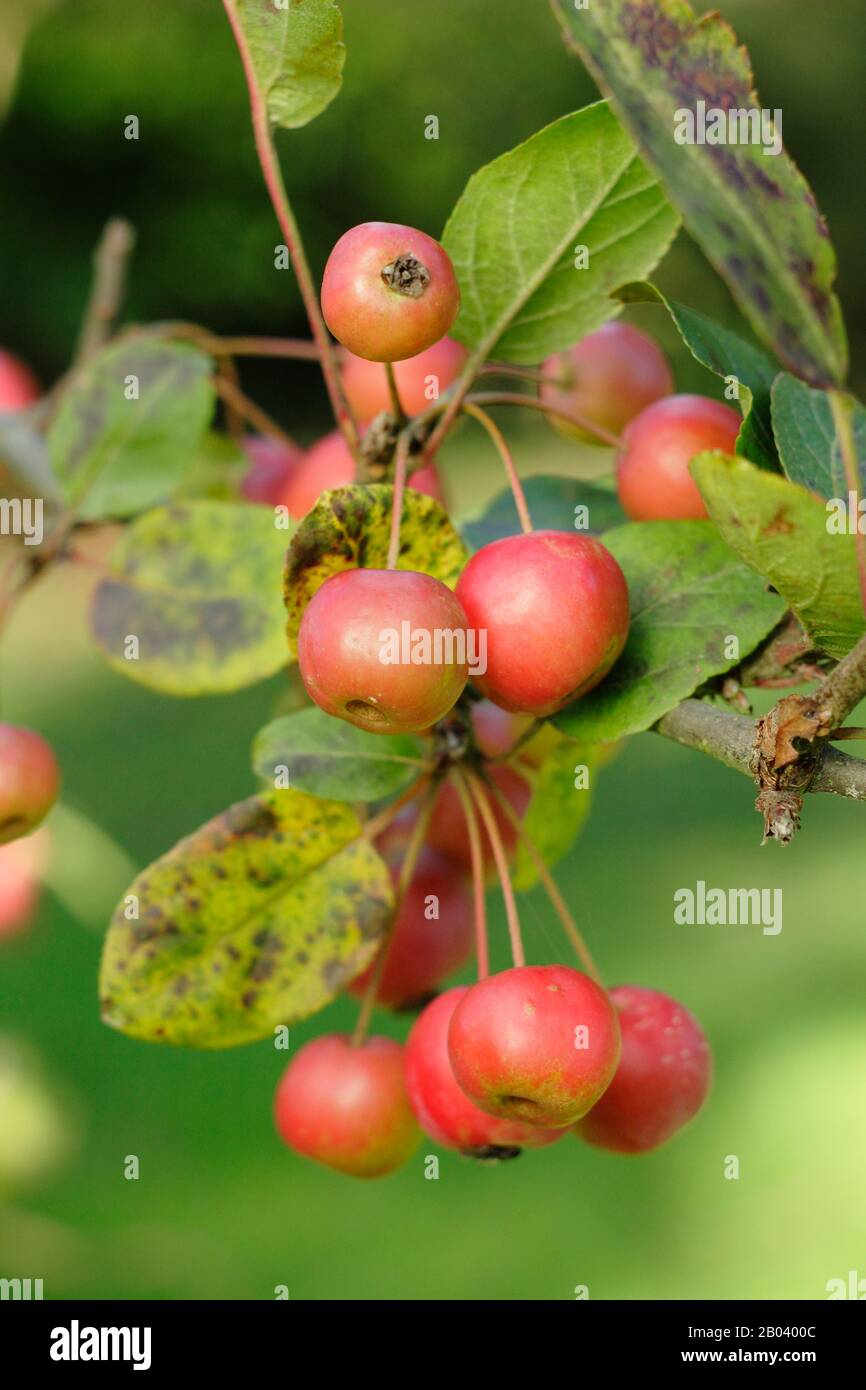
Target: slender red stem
{"type": "Point", "coordinates": [394, 393]}
{"type": "Point", "coordinates": [401, 465]}
{"type": "Point", "coordinates": [478, 887]}
{"type": "Point", "coordinates": [495, 433]}
{"type": "Point", "coordinates": [558, 903]}
{"type": "Point", "coordinates": [266, 151]}
{"type": "Point", "coordinates": [479, 794]}
{"type": "Point", "coordinates": [535, 403]}
{"type": "Point", "coordinates": [249, 411]}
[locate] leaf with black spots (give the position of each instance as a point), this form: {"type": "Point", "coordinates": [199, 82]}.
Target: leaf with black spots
{"type": "Point", "coordinates": [258, 918]}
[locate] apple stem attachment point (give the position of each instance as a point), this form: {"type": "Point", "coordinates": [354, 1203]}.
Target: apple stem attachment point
{"type": "Point", "coordinates": [406, 275]}
{"type": "Point", "coordinates": [495, 433]}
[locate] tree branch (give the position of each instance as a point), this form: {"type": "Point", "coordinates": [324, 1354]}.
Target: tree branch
{"type": "Point", "coordinates": [730, 738]}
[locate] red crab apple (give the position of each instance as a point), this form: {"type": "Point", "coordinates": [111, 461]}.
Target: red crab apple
{"type": "Point", "coordinates": [608, 378]}
{"type": "Point", "coordinates": [273, 465]}
{"type": "Point", "coordinates": [447, 831]}
{"type": "Point", "coordinates": [420, 380]}
{"type": "Point", "coordinates": [347, 1106]}
{"type": "Point", "coordinates": [555, 609]}
{"type": "Point", "coordinates": [662, 1079]}
{"type": "Point", "coordinates": [652, 471]}
{"type": "Point", "coordinates": [425, 949]}
{"type": "Point", "coordinates": [29, 781]}
{"type": "Point", "coordinates": [537, 1043]}
{"type": "Point", "coordinates": [389, 291]}
{"type": "Point", "coordinates": [20, 866]}
{"type": "Point", "coordinates": [444, 1111]}
{"type": "Point", "coordinates": [18, 385]}
{"type": "Point", "coordinates": [498, 730]}
{"type": "Point", "coordinates": [384, 649]}
{"type": "Point", "coordinates": [329, 464]}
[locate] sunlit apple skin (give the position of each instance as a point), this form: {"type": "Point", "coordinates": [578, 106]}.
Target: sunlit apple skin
{"type": "Point", "coordinates": [29, 781]}
{"type": "Point", "coordinates": [421, 380]}
{"type": "Point", "coordinates": [445, 1112]}
{"type": "Point", "coordinates": [514, 1044]}
{"type": "Point", "coordinates": [273, 465]}
{"type": "Point", "coordinates": [345, 632]}
{"type": "Point", "coordinates": [329, 464]}
{"type": "Point", "coordinates": [347, 1107]}
{"type": "Point", "coordinates": [652, 471]}
{"type": "Point", "coordinates": [555, 609]}
{"type": "Point", "coordinates": [368, 316]}
{"type": "Point", "coordinates": [662, 1080]}
{"type": "Point", "coordinates": [447, 830]}
{"type": "Point", "coordinates": [18, 384]}
{"type": "Point", "coordinates": [424, 950]}
{"type": "Point", "coordinates": [610, 376]}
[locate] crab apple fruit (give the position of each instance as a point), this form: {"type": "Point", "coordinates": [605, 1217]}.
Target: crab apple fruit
{"type": "Point", "coordinates": [347, 1106]}
{"type": "Point", "coordinates": [444, 1111]}
{"type": "Point", "coordinates": [18, 385]}
{"type": "Point", "coordinates": [273, 464]}
{"type": "Point", "coordinates": [447, 830]}
{"type": "Point", "coordinates": [384, 649]}
{"type": "Point", "coordinates": [652, 471]}
{"type": "Point", "coordinates": [29, 781]}
{"type": "Point", "coordinates": [420, 380]}
{"type": "Point", "coordinates": [20, 866]}
{"type": "Point", "coordinates": [662, 1079]}
{"type": "Point", "coordinates": [555, 609]}
{"type": "Point", "coordinates": [425, 948]}
{"type": "Point", "coordinates": [389, 291]}
{"type": "Point", "coordinates": [329, 464]}
{"type": "Point", "coordinates": [608, 378]}
{"type": "Point", "coordinates": [537, 1043]}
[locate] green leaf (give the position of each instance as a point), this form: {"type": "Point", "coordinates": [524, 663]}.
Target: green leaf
{"type": "Point", "coordinates": [552, 505]}
{"type": "Point", "coordinates": [513, 233]}
{"type": "Point", "coordinates": [215, 471]}
{"type": "Point", "coordinates": [328, 757]}
{"type": "Point", "coordinates": [806, 435]}
{"type": "Point", "coordinates": [116, 456]}
{"type": "Point", "coordinates": [198, 585]}
{"type": "Point", "coordinates": [293, 52]}
{"type": "Point", "coordinates": [23, 450]}
{"type": "Point", "coordinates": [350, 527]}
{"type": "Point", "coordinates": [690, 594]}
{"type": "Point", "coordinates": [753, 214]}
{"type": "Point", "coordinates": [258, 918]}
{"type": "Point", "coordinates": [728, 355]}
{"type": "Point", "coordinates": [782, 531]}
{"type": "Point", "coordinates": [557, 809]}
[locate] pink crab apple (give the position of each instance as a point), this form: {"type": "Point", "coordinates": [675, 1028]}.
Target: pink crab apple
{"type": "Point", "coordinates": [21, 864]}
{"type": "Point", "coordinates": [384, 649]}
{"type": "Point", "coordinates": [497, 730]}
{"type": "Point", "coordinates": [389, 291]}
{"type": "Point", "coordinates": [537, 1043]}
{"type": "Point", "coordinates": [444, 1111]}
{"type": "Point", "coordinates": [607, 378]}
{"type": "Point", "coordinates": [329, 464]}
{"type": "Point", "coordinates": [662, 1079]}
{"type": "Point", "coordinates": [29, 781]}
{"type": "Point", "coordinates": [420, 380]}
{"type": "Point", "coordinates": [555, 609]}
{"type": "Point", "coordinates": [18, 385]}
{"type": "Point", "coordinates": [425, 949]}
{"type": "Point", "coordinates": [652, 471]}
{"type": "Point", "coordinates": [273, 465]}
{"type": "Point", "coordinates": [347, 1106]}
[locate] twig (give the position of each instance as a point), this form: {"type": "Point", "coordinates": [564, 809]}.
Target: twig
{"type": "Point", "coordinates": [536, 403]}
{"type": "Point", "coordinates": [110, 263]}
{"type": "Point", "coordinates": [249, 411]}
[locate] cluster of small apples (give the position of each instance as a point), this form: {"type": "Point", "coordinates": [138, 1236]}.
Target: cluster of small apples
{"type": "Point", "coordinates": [29, 784]}
{"type": "Point", "coordinates": [519, 1060]}
{"type": "Point", "coordinates": [618, 378]}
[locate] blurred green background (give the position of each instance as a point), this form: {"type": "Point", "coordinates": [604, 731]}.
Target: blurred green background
{"type": "Point", "coordinates": [221, 1209]}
